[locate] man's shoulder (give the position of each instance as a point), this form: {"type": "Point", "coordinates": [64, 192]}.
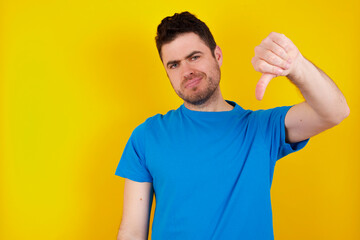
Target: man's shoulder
{"type": "Point", "coordinates": [271, 111]}
{"type": "Point", "coordinates": [159, 119]}
{"type": "Point", "coordinates": [264, 114]}
{"type": "Point", "coordinates": [162, 117]}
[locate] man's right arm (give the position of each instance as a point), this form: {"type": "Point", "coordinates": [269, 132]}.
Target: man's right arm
{"type": "Point", "coordinates": [138, 198]}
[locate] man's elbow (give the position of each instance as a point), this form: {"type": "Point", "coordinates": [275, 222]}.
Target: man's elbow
{"type": "Point", "coordinates": [339, 116]}
{"type": "Point", "coordinates": [347, 111]}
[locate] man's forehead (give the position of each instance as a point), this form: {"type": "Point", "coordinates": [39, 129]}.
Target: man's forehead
{"type": "Point", "coordinates": [182, 46]}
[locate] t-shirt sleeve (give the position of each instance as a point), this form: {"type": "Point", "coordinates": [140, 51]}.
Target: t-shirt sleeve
{"type": "Point", "coordinates": [132, 163]}
{"type": "Point", "coordinates": [273, 123]}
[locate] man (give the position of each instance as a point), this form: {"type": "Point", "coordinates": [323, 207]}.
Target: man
{"type": "Point", "coordinates": [210, 163]}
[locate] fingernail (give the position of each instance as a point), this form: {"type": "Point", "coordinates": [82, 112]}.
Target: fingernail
{"type": "Point", "coordinates": [279, 71]}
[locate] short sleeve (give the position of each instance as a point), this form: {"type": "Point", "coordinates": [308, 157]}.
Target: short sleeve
{"type": "Point", "coordinates": [273, 123]}
{"type": "Point", "coordinates": [132, 163]}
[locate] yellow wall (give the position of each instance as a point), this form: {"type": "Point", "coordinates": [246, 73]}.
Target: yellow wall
{"type": "Point", "coordinates": [78, 76]}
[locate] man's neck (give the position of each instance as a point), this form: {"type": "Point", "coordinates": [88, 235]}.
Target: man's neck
{"type": "Point", "coordinates": [215, 103]}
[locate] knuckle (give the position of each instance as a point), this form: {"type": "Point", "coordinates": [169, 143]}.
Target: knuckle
{"type": "Point", "coordinates": [262, 66]}
{"type": "Point", "coordinates": [274, 70]}
{"type": "Point", "coordinates": [282, 53]}
{"type": "Point", "coordinates": [286, 46]}
{"type": "Point", "coordinates": [266, 41]}
{"type": "Point", "coordinates": [272, 58]}
{"type": "Point", "coordinates": [252, 60]}
{"type": "Point", "coordinates": [255, 63]}
{"type": "Point", "coordinates": [269, 56]}
{"type": "Point", "coordinates": [260, 84]}
{"type": "Point", "coordinates": [279, 52]}
{"type": "Point", "coordinates": [274, 34]}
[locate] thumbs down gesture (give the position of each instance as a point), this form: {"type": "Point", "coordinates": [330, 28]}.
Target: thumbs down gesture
{"type": "Point", "coordinates": [275, 56]}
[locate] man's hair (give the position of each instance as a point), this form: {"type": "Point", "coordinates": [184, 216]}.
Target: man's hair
{"type": "Point", "coordinates": [179, 23]}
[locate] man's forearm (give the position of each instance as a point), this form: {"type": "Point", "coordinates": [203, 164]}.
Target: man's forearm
{"type": "Point", "coordinates": [320, 92]}
{"type": "Point", "coordinates": [126, 236]}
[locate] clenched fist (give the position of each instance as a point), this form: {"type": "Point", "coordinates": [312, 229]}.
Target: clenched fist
{"type": "Point", "coordinates": [275, 56]}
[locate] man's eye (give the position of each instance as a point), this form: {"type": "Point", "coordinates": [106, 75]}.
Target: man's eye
{"type": "Point", "coordinates": [194, 57]}
{"type": "Point", "coordinates": [172, 66]}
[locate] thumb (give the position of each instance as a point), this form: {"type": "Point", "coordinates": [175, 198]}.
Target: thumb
{"type": "Point", "coordinates": [262, 84]}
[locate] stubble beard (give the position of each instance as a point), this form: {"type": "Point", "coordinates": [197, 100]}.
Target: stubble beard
{"type": "Point", "coordinates": [197, 98]}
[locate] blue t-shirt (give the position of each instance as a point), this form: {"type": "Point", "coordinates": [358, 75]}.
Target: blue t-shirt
{"type": "Point", "coordinates": [211, 171]}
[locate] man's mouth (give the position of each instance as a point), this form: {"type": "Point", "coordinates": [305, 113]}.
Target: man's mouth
{"type": "Point", "coordinates": [193, 82]}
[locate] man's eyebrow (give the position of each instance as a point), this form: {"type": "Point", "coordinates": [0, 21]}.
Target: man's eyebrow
{"type": "Point", "coordinates": [193, 53]}
{"type": "Point", "coordinates": [188, 56]}
{"type": "Point", "coordinates": [172, 62]}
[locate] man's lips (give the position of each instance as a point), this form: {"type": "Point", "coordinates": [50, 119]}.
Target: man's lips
{"type": "Point", "coordinates": [193, 82]}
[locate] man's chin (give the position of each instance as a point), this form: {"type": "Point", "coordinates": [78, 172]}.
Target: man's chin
{"type": "Point", "coordinates": [199, 102]}
{"type": "Point", "coordinates": [196, 101]}
{"type": "Point", "coordinates": [197, 96]}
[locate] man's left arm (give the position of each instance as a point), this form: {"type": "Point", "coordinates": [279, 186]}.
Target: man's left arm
{"type": "Point", "coordinates": [324, 106]}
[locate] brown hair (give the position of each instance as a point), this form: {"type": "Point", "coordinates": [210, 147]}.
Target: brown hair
{"type": "Point", "coordinates": [185, 22]}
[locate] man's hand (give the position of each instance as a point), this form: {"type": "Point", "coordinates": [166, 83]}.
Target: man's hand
{"type": "Point", "coordinates": [324, 106]}
{"type": "Point", "coordinates": [275, 56]}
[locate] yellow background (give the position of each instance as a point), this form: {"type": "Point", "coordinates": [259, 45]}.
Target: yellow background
{"type": "Point", "coordinates": [78, 76]}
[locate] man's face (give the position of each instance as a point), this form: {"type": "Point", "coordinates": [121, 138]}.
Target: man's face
{"type": "Point", "coordinates": [193, 71]}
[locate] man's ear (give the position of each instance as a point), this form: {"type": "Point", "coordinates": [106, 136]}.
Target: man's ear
{"type": "Point", "coordinates": [218, 55]}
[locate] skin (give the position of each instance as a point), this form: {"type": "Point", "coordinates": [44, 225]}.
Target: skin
{"type": "Point", "coordinates": [194, 72]}
{"type": "Point", "coordinates": [324, 106]}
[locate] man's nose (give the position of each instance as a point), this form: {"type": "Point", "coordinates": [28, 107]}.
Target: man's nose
{"type": "Point", "coordinates": [187, 70]}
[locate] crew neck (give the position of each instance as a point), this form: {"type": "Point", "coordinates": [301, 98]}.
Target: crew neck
{"type": "Point", "coordinates": [193, 113]}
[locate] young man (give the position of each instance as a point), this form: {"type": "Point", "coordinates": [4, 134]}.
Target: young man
{"type": "Point", "coordinates": [210, 163]}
